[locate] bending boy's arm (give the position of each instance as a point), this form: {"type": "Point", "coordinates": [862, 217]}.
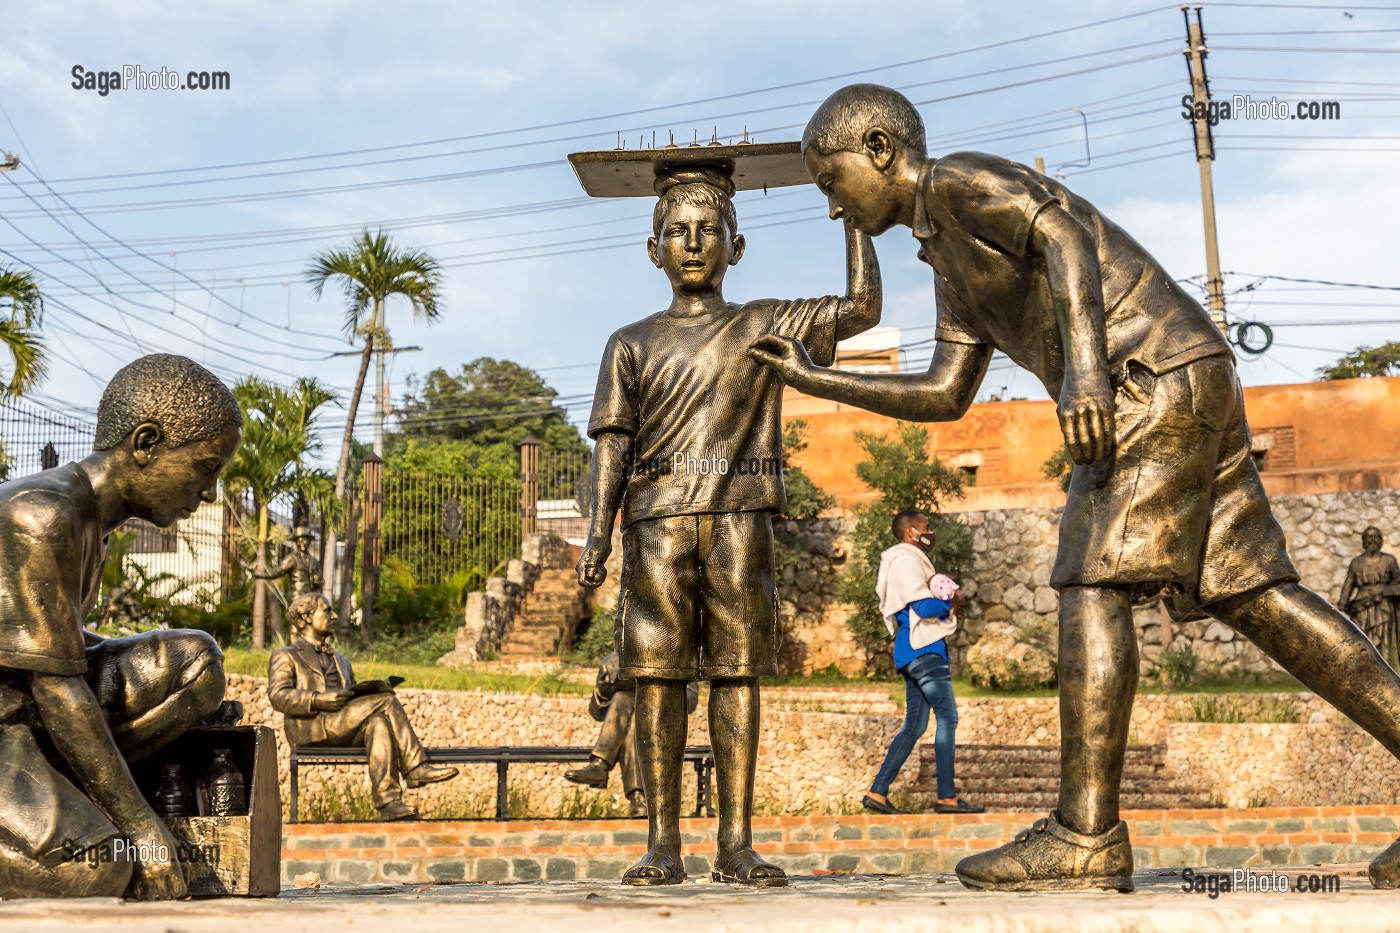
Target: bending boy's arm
{"type": "Point", "coordinates": [860, 309]}
{"type": "Point", "coordinates": [78, 728]}
{"type": "Point", "coordinates": [941, 394]}
{"type": "Point", "coordinates": [612, 458]}
{"type": "Point", "coordinates": [1076, 289]}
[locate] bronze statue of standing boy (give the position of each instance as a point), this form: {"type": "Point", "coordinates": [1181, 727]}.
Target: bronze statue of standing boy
{"type": "Point", "coordinates": [1164, 499]}
{"type": "Point", "coordinates": [689, 447]}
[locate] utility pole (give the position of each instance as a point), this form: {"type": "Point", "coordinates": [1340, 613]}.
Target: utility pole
{"type": "Point", "coordinates": [380, 402]}
{"type": "Point", "coordinates": [1205, 155]}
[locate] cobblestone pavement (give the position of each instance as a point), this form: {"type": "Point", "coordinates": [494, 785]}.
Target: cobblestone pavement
{"type": "Point", "coordinates": [844, 902]}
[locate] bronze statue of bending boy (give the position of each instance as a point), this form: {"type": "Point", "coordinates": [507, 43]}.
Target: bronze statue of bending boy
{"type": "Point", "coordinates": [75, 708]}
{"type": "Point", "coordinates": [1164, 498]}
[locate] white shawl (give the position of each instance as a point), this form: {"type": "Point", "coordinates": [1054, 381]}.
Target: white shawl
{"type": "Point", "coordinates": [903, 579]}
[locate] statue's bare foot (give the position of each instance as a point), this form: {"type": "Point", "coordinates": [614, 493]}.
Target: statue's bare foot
{"type": "Point", "coordinates": [744, 866]}
{"type": "Point", "coordinates": [1385, 868]}
{"type": "Point", "coordinates": [658, 866]}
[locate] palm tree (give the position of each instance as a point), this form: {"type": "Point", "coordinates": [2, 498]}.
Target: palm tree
{"type": "Point", "coordinates": [19, 331]}
{"type": "Point", "coordinates": [370, 271]}
{"type": "Point", "coordinates": [273, 463]}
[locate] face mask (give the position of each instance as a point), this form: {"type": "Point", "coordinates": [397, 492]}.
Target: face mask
{"type": "Point", "coordinates": [924, 543]}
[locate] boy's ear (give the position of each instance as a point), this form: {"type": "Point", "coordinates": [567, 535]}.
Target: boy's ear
{"type": "Point", "coordinates": [879, 146]}
{"type": "Point", "coordinates": [144, 440]}
{"type": "Point", "coordinates": [738, 244]}
{"type": "Point", "coordinates": [652, 254]}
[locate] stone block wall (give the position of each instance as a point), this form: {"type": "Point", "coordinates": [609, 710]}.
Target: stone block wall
{"type": "Point", "coordinates": [1015, 550]}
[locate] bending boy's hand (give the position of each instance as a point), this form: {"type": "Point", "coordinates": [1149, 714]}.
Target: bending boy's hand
{"type": "Point", "coordinates": [784, 354]}
{"type": "Point", "coordinates": [1086, 417]}
{"type": "Point", "coordinates": [592, 569]}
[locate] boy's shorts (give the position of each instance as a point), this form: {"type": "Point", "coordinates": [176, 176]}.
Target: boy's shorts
{"type": "Point", "coordinates": [698, 600]}
{"type": "Point", "coordinates": [1178, 510]}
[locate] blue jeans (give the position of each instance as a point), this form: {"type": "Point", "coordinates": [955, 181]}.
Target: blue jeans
{"type": "Point", "coordinates": [928, 684]}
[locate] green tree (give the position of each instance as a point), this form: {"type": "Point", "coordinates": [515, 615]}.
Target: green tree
{"type": "Point", "coordinates": [21, 313]}
{"type": "Point", "coordinates": [488, 403]}
{"type": "Point", "coordinates": [1059, 466]}
{"type": "Point", "coordinates": [274, 463]}
{"type": "Point", "coordinates": [805, 498]}
{"type": "Point", "coordinates": [1365, 362]}
{"type": "Point", "coordinates": [370, 271]}
{"type": "Point", "coordinates": [900, 471]}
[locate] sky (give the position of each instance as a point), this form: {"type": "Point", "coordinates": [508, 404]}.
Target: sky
{"type": "Point", "coordinates": [182, 221]}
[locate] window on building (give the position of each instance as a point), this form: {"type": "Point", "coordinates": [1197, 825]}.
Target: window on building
{"type": "Point", "coordinates": [969, 474]}
{"type": "Point", "coordinates": [1261, 459]}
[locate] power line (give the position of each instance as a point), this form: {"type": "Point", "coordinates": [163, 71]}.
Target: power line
{"type": "Point", "coordinates": [637, 112]}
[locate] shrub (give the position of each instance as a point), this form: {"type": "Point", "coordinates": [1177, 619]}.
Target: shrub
{"type": "Point", "coordinates": [1008, 658]}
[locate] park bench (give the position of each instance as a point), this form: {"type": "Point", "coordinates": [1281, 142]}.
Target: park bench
{"type": "Point", "coordinates": [502, 756]}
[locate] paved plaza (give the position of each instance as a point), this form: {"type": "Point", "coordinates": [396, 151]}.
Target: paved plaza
{"type": "Point", "coordinates": [834, 902]}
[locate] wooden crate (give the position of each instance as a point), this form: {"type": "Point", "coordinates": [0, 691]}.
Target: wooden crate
{"type": "Point", "coordinates": [226, 855]}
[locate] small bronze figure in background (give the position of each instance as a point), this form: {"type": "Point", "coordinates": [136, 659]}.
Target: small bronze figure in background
{"type": "Point", "coordinates": [313, 686]}
{"type": "Point", "coordinates": [1371, 595]}
{"type": "Point", "coordinates": [677, 397]}
{"type": "Point", "coordinates": [612, 704]}
{"type": "Point", "coordinates": [1164, 499]}
{"type": "Point", "coordinates": [166, 429]}
{"type": "Point", "coordinates": [300, 564]}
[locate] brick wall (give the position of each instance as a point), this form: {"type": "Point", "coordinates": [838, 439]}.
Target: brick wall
{"type": "Point", "coordinates": [603, 849]}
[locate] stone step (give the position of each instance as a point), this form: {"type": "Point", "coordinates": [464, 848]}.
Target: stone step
{"type": "Point", "coordinates": [1042, 803]}
{"type": "Point", "coordinates": [1052, 785]}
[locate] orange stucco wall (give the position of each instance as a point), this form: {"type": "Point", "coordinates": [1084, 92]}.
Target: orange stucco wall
{"type": "Point", "coordinates": [1320, 437]}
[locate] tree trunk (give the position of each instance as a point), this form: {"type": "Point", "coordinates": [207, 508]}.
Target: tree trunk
{"type": "Point", "coordinates": [259, 584]}
{"type": "Point", "coordinates": [342, 469]}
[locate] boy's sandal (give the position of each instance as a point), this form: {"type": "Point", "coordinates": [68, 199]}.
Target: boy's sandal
{"type": "Point", "coordinates": [747, 868]}
{"type": "Point", "coordinates": [655, 868]}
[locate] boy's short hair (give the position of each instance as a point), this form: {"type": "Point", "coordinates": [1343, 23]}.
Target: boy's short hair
{"type": "Point", "coordinates": [188, 402]}
{"type": "Point", "coordinates": [696, 187]}
{"type": "Point", "coordinates": [903, 521]}
{"type": "Point", "coordinates": [843, 119]}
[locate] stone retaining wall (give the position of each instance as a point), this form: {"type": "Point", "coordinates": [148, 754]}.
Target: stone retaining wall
{"type": "Point", "coordinates": [813, 762]}
{"type": "Point", "coordinates": [603, 849]}
{"type": "Point", "coordinates": [1014, 550]}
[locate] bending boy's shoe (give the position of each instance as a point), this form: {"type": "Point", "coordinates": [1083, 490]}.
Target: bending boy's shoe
{"type": "Point", "coordinates": [429, 773]}
{"type": "Point", "coordinates": [1384, 870]}
{"type": "Point", "coordinates": [1051, 857]}
{"type": "Point", "coordinates": [593, 774]}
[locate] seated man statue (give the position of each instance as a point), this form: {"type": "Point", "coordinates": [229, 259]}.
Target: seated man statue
{"type": "Point", "coordinates": [76, 708]}
{"type": "Point", "coordinates": [311, 685]}
{"type": "Point", "coordinates": [612, 704]}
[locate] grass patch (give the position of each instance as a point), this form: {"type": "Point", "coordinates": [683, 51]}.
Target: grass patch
{"type": "Point", "coordinates": [1234, 710]}
{"type": "Point", "coordinates": [375, 665]}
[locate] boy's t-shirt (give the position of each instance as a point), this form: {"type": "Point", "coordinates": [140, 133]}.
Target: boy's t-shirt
{"type": "Point", "coordinates": [51, 555]}
{"type": "Point", "coordinates": [705, 417]}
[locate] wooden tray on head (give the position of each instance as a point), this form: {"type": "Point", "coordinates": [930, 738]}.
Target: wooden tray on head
{"type": "Point", "coordinates": [631, 173]}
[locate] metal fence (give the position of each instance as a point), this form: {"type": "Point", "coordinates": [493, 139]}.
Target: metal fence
{"type": "Point", "coordinates": [563, 484]}
{"type": "Point", "coordinates": [440, 524]}
{"type": "Point", "coordinates": [35, 438]}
